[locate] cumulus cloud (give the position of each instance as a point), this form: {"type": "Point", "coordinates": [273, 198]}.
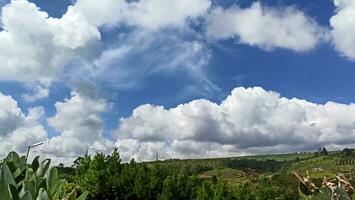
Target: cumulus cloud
{"type": "Point", "coordinates": [35, 47]}
{"type": "Point", "coordinates": [265, 27]}
{"type": "Point", "coordinates": [17, 129]}
{"type": "Point", "coordinates": [342, 24]}
{"type": "Point", "coordinates": [80, 126]}
{"type": "Point", "coordinates": [11, 115]}
{"type": "Point", "coordinates": [77, 120]}
{"type": "Point", "coordinates": [249, 120]}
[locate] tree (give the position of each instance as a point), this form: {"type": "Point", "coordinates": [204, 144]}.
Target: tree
{"type": "Point", "coordinates": [324, 151]}
{"type": "Point", "coordinates": [347, 152]}
{"type": "Point", "coordinates": [179, 187]}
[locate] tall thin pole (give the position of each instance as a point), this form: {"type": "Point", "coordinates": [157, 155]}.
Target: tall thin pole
{"type": "Point", "coordinates": [28, 152]}
{"type": "Point", "coordinates": [31, 146]}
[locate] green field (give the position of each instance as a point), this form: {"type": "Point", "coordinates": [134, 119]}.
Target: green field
{"type": "Point", "coordinates": [280, 172]}
{"type": "Point", "coordinates": [317, 166]}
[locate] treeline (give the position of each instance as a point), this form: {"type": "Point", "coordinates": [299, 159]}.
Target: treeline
{"type": "Point", "coordinates": [105, 177]}
{"type": "Point", "coordinates": [346, 157]}
{"type": "Point", "coordinates": [257, 165]}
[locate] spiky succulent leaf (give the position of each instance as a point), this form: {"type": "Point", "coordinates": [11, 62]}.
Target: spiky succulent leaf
{"type": "Point", "coordinates": [38, 181]}
{"type": "Point", "coordinates": [51, 179]}
{"type": "Point", "coordinates": [42, 195]}
{"type": "Point", "coordinates": [43, 167]}
{"type": "Point", "coordinates": [26, 196]}
{"type": "Point", "coordinates": [6, 179]}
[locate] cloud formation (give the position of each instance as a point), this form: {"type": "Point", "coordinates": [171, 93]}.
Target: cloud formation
{"type": "Point", "coordinates": [142, 54]}
{"type": "Point", "coordinates": [80, 128]}
{"type": "Point", "coordinates": [17, 129]}
{"type": "Point", "coordinates": [10, 115]}
{"type": "Point", "coordinates": [265, 27]}
{"type": "Point", "coordinates": [157, 36]}
{"type": "Point", "coordinates": [146, 14]}
{"type": "Point", "coordinates": [77, 121]}
{"type": "Point", "coordinates": [249, 120]}
{"type": "Point", "coordinates": [343, 28]}
{"type": "Point", "coordinates": [34, 47]}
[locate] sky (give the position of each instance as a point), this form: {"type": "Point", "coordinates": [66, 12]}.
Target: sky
{"type": "Point", "coordinates": [182, 78]}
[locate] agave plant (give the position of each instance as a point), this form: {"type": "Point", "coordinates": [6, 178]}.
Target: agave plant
{"type": "Point", "coordinates": [338, 188]}
{"type": "Point", "coordinates": [36, 181]}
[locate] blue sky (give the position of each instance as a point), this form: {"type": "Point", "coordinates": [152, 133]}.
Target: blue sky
{"type": "Point", "coordinates": [113, 65]}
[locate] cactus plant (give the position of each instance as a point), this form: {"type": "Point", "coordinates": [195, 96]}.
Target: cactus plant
{"type": "Point", "coordinates": [36, 181]}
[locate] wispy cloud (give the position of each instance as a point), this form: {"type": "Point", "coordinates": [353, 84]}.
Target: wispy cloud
{"type": "Point", "coordinates": [141, 54]}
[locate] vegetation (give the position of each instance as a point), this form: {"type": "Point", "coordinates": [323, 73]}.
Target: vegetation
{"type": "Point", "coordinates": [265, 177]}
{"type": "Point", "coordinates": [107, 178]}
{"type": "Point", "coordinates": [334, 189]}
{"type": "Point", "coordinates": [39, 181]}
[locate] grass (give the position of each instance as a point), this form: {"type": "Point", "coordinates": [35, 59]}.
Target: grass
{"type": "Point", "coordinates": [281, 157]}
{"type": "Point", "coordinates": [319, 167]}
{"type": "Point", "coordinates": [232, 176]}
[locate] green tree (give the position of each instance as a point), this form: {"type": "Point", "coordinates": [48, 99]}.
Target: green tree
{"type": "Point", "coordinates": [179, 187]}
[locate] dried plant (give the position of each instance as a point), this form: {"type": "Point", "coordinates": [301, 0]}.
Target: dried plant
{"type": "Point", "coordinates": [338, 188]}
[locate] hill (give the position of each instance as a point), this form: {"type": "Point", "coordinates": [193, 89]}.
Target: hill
{"type": "Point", "coordinates": [256, 177]}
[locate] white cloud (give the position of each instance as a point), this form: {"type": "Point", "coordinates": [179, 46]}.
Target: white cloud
{"type": "Point", "coordinates": [77, 120]}
{"type": "Point", "coordinates": [147, 14]}
{"type": "Point", "coordinates": [72, 30]}
{"type": "Point", "coordinates": [343, 27]}
{"type": "Point", "coordinates": [80, 126]}
{"type": "Point", "coordinates": [265, 27]}
{"type": "Point", "coordinates": [35, 47]}
{"type": "Point", "coordinates": [104, 12]}
{"type": "Point", "coordinates": [38, 91]}
{"type": "Point", "coordinates": [78, 116]}
{"type": "Point", "coordinates": [11, 115]}
{"type": "Point", "coordinates": [248, 121]}
{"type": "Point", "coordinates": [155, 14]}
{"type": "Point", "coordinates": [17, 129]}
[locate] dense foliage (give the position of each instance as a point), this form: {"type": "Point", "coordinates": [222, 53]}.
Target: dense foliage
{"type": "Point", "coordinates": [105, 177]}
{"type": "Point", "coordinates": [258, 165]}
{"type": "Point", "coordinates": [38, 180]}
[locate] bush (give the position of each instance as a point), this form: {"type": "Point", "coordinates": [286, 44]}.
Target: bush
{"type": "Point", "coordinates": [105, 177]}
